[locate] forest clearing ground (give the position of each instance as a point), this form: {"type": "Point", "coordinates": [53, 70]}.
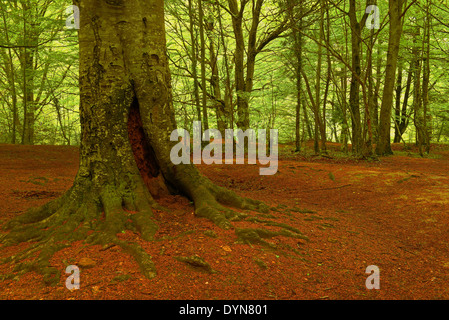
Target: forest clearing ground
{"type": "Point", "coordinates": [392, 213]}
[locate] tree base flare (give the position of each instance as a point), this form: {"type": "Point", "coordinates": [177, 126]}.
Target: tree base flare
{"type": "Point", "coordinates": [99, 215]}
{"type": "Point", "coordinates": [80, 214]}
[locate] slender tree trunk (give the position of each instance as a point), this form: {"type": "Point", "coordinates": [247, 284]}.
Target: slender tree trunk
{"type": "Point", "coordinates": [417, 95]}
{"type": "Point", "coordinates": [228, 103]}
{"type": "Point", "coordinates": [328, 80]}
{"type": "Point", "coordinates": [61, 125]}
{"type": "Point", "coordinates": [383, 145]}
{"type": "Point", "coordinates": [319, 126]}
{"type": "Point", "coordinates": [194, 61]}
{"type": "Point", "coordinates": [402, 121]}
{"type": "Point", "coordinates": [28, 54]}
{"type": "Point", "coordinates": [297, 49]}
{"type": "Point", "coordinates": [426, 77]}
{"type": "Point", "coordinates": [306, 120]}
{"type": "Point", "coordinates": [28, 98]}
{"type": "Point", "coordinates": [298, 95]}
{"type": "Point", "coordinates": [205, 121]}
{"type": "Point", "coordinates": [242, 97]}
{"type": "Point", "coordinates": [375, 115]}
{"type": "Point", "coordinates": [244, 80]}
{"type": "Point", "coordinates": [354, 91]}
{"type": "Point", "coordinates": [397, 107]}
{"type": "Point", "coordinates": [344, 104]}
{"type": "Point", "coordinates": [369, 109]}
{"type": "Point", "coordinates": [344, 107]}
{"type": "Point", "coordinates": [11, 77]}
{"type": "Point", "coordinates": [219, 104]}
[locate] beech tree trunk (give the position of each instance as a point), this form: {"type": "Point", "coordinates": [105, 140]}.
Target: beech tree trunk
{"type": "Point", "coordinates": [127, 117]}
{"type": "Point", "coordinates": [383, 146]}
{"type": "Point", "coordinates": [401, 113]}
{"type": "Point", "coordinates": [298, 43]}
{"type": "Point", "coordinates": [194, 62]}
{"type": "Point", "coordinates": [354, 91]}
{"type": "Point", "coordinates": [245, 68]}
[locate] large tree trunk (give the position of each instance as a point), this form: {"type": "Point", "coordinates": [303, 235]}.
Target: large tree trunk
{"type": "Point", "coordinates": [426, 78]}
{"type": "Point", "coordinates": [126, 121]}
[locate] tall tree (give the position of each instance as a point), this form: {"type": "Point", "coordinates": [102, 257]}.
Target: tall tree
{"type": "Point", "coordinates": [297, 50]}
{"type": "Point", "coordinates": [401, 116]}
{"type": "Point", "coordinates": [205, 121]}
{"type": "Point", "coordinates": [427, 127]}
{"type": "Point", "coordinates": [395, 13]}
{"type": "Point", "coordinates": [354, 91]}
{"type": "Point", "coordinates": [10, 74]}
{"type": "Point", "coordinates": [126, 123]}
{"type": "Point", "coordinates": [244, 68]}
{"type": "Point", "coordinates": [196, 94]}
{"type": "Point", "coordinates": [319, 121]}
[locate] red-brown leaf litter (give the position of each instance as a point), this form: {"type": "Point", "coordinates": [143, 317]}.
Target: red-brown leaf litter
{"type": "Point", "coordinates": [391, 213]}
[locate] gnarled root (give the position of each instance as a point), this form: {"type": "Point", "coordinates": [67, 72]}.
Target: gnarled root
{"type": "Point", "coordinates": [210, 201]}
{"type": "Point", "coordinates": [82, 213]}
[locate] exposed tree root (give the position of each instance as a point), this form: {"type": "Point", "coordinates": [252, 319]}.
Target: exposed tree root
{"type": "Point", "coordinates": [213, 202]}
{"type": "Point", "coordinates": [79, 215]}
{"type": "Point", "coordinates": [257, 236]}
{"type": "Point", "coordinates": [197, 263]}
{"type": "Point", "coordinates": [97, 215]}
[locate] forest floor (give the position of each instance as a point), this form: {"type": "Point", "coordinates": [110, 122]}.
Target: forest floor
{"type": "Point", "coordinates": [391, 213]}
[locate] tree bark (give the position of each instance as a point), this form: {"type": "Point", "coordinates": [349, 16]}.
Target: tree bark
{"type": "Point", "coordinates": [383, 146]}
{"type": "Point", "coordinates": [196, 94]}
{"type": "Point", "coordinates": [239, 74]}
{"type": "Point", "coordinates": [397, 106]}
{"type": "Point", "coordinates": [296, 36]}
{"type": "Point", "coordinates": [298, 43]}
{"type": "Point", "coordinates": [11, 78]}
{"type": "Point", "coordinates": [354, 90]}
{"type": "Point", "coordinates": [319, 125]}
{"type": "Point", "coordinates": [221, 110]}
{"type": "Point", "coordinates": [205, 121]}
{"type": "Point", "coordinates": [402, 118]}
{"type": "Point", "coordinates": [427, 127]}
